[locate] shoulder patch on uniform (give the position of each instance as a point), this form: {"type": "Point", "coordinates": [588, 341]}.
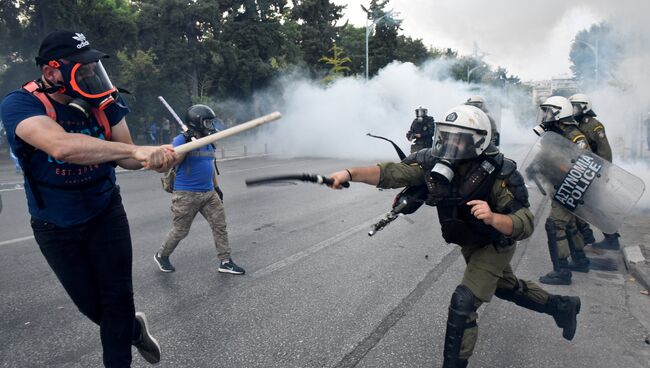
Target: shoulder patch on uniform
{"type": "Point", "coordinates": [508, 167]}
{"type": "Point", "coordinates": [578, 137]}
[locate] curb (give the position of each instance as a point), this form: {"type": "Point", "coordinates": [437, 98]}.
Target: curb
{"type": "Point", "coordinates": [637, 265]}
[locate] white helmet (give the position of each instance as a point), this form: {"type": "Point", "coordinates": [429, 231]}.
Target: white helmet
{"type": "Point", "coordinates": [581, 104]}
{"type": "Point", "coordinates": [465, 133]}
{"type": "Point", "coordinates": [554, 109]}
{"type": "Point", "coordinates": [476, 101]}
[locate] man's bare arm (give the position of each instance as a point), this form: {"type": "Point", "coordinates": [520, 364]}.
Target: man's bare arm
{"type": "Point", "coordinates": [48, 136]}
{"type": "Point", "coordinates": [369, 175]}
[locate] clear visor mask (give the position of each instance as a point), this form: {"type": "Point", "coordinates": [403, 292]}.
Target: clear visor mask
{"type": "Point", "coordinates": [547, 114]}
{"type": "Point", "coordinates": [457, 145]}
{"type": "Point", "coordinates": [579, 109]}
{"type": "Point", "coordinates": [89, 82]}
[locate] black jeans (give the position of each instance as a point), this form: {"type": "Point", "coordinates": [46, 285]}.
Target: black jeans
{"type": "Point", "coordinates": [93, 262]}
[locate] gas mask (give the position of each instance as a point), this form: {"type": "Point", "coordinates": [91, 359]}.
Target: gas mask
{"type": "Point", "coordinates": [87, 84]}
{"type": "Point", "coordinates": [546, 118]}
{"type": "Point", "coordinates": [420, 113]}
{"type": "Point", "coordinates": [579, 109]}
{"type": "Point", "coordinates": [443, 171]}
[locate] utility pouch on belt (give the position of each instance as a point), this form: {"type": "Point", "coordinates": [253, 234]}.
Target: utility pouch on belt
{"type": "Point", "coordinates": [167, 180]}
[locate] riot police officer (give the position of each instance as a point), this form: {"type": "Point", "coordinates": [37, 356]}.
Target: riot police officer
{"type": "Point", "coordinates": [556, 115]}
{"type": "Point", "coordinates": [595, 133]}
{"type": "Point", "coordinates": [478, 101]}
{"type": "Point", "coordinates": [421, 131]}
{"type": "Point", "coordinates": [482, 205]}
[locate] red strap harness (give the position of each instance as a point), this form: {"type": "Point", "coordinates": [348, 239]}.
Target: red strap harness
{"type": "Point", "coordinates": [33, 88]}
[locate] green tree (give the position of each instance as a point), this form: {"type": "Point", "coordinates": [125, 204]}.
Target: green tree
{"type": "Point", "coordinates": [412, 50]}
{"type": "Point", "coordinates": [336, 61]}
{"type": "Point", "coordinates": [352, 40]}
{"type": "Point", "coordinates": [108, 24]}
{"type": "Point", "coordinates": [469, 69]}
{"type": "Point", "coordinates": [317, 21]}
{"type": "Point", "coordinates": [594, 55]}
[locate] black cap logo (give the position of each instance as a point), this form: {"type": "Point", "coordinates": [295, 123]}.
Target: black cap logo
{"type": "Point", "coordinates": [451, 117]}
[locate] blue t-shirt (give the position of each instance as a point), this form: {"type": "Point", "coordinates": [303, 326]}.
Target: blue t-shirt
{"type": "Point", "coordinates": [72, 194]}
{"type": "Point", "coordinates": [194, 174]}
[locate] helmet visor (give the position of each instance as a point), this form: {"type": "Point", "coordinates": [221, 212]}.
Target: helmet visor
{"type": "Point", "coordinates": [91, 80]}
{"type": "Point", "coordinates": [454, 143]}
{"type": "Point", "coordinates": [547, 114]}
{"type": "Point", "coordinates": [578, 108]}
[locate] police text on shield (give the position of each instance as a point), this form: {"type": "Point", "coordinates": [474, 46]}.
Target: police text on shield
{"type": "Point", "coordinates": [575, 184]}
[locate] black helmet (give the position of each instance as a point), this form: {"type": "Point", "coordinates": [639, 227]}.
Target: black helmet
{"type": "Point", "coordinates": [199, 119]}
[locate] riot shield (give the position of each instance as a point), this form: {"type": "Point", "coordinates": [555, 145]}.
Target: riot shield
{"type": "Point", "coordinates": [594, 189]}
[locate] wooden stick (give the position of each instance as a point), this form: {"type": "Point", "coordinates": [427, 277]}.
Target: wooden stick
{"type": "Point", "coordinates": [190, 146]}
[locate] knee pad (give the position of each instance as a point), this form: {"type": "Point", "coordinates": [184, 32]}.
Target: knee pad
{"type": "Point", "coordinates": [462, 301]}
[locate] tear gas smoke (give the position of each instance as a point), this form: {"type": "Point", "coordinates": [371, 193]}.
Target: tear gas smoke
{"type": "Point", "coordinates": [333, 121]}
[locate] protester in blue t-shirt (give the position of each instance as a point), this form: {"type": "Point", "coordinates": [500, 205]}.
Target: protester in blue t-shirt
{"type": "Point", "coordinates": [68, 131]}
{"type": "Point", "coordinates": [196, 191]}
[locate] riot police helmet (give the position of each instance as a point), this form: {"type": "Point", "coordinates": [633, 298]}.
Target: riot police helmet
{"type": "Point", "coordinates": [476, 101]}
{"type": "Point", "coordinates": [556, 109]}
{"type": "Point", "coordinates": [581, 104]}
{"type": "Point", "coordinates": [200, 118]}
{"type": "Point", "coordinates": [465, 133]}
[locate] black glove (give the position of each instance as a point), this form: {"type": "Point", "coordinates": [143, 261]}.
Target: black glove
{"type": "Point", "coordinates": [219, 192]}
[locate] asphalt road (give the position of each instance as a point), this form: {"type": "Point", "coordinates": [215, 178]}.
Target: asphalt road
{"type": "Point", "coordinates": [318, 291]}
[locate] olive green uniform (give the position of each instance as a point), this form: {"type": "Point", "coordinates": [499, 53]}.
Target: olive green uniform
{"type": "Point", "coordinates": [562, 219]}
{"type": "Point", "coordinates": [488, 270]}
{"type": "Point", "coordinates": [594, 131]}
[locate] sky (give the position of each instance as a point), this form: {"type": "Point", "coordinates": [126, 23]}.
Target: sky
{"type": "Point", "coordinates": [531, 39]}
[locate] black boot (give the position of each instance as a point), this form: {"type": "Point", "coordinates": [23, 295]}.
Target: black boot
{"type": "Point", "coordinates": [585, 231]}
{"type": "Point", "coordinates": [559, 276]}
{"type": "Point", "coordinates": [580, 262]}
{"type": "Point", "coordinates": [564, 310]}
{"type": "Point", "coordinates": [610, 242]}
{"type": "Point", "coordinates": [461, 308]}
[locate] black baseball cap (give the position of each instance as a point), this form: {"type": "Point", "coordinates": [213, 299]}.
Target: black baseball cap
{"type": "Point", "coordinates": [67, 45]}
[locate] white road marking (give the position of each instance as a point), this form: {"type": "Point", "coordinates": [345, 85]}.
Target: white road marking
{"type": "Point", "coordinates": [17, 240]}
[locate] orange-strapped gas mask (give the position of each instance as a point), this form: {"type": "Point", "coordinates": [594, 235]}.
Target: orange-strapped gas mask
{"type": "Point", "coordinates": [88, 85]}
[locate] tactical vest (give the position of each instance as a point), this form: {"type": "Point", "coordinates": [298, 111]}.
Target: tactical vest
{"type": "Point", "coordinates": [458, 224]}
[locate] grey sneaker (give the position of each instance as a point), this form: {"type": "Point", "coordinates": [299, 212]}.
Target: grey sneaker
{"type": "Point", "coordinates": [163, 263]}
{"type": "Point", "coordinates": [147, 346]}
{"type": "Point", "coordinates": [228, 266]}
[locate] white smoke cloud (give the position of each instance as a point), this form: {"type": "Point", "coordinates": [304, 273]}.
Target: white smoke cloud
{"type": "Point", "coordinates": [333, 121]}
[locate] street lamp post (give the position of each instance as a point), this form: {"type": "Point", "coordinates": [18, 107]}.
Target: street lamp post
{"type": "Point", "coordinates": [470, 71]}
{"type": "Point", "coordinates": [368, 32]}
{"type": "Point", "coordinates": [594, 49]}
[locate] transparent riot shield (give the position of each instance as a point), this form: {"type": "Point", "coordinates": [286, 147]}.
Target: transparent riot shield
{"type": "Point", "coordinates": [594, 189]}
